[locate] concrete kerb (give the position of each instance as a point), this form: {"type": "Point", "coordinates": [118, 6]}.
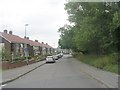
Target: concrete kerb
{"type": "Point", "coordinates": [5, 82]}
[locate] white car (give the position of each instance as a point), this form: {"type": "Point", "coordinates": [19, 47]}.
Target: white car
{"type": "Point", "coordinates": [50, 59]}
{"type": "Point", "coordinates": [55, 57]}
{"type": "Point", "coordinates": [61, 54]}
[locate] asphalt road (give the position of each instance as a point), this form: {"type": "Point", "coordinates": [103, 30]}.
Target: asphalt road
{"type": "Point", "coordinates": [65, 73]}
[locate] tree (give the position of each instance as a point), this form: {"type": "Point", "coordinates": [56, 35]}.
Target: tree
{"type": "Point", "coordinates": [95, 27]}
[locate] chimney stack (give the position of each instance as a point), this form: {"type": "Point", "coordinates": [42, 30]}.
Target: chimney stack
{"type": "Point", "coordinates": [36, 40]}
{"type": "Point", "coordinates": [5, 31]}
{"type": "Point", "coordinates": [28, 38]}
{"type": "Point", "coordinates": [25, 37]}
{"type": "Point", "coordinates": [10, 32]}
{"type": "Point", "coordinates": [42, 42]}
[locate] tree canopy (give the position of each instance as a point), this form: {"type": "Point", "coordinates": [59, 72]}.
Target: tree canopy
{"type": "Point", "coordinates": [96, 27]}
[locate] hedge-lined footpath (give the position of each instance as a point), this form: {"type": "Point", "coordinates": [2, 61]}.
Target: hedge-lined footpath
{"type": "Point", "coordinates": [105, 62]}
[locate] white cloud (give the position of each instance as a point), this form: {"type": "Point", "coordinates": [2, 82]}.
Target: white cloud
{"type": "Point", "coordinates": [43, 16]}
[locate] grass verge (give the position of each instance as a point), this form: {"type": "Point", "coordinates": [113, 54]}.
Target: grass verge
{"type": "Point", "coordinates": [105, 62]}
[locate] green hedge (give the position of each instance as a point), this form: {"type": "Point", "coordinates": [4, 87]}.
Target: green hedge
{"type": "Point", "coordinates": [19, 58]}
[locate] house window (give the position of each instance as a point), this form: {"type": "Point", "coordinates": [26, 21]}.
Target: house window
{"type": "Point", "coordinates": [36, 50]}
{"type": "Point", "coordinates": [26, 51]}
{"type": "Point", "coordinates": [12, 47]}
{"type": "Point", "coordinates": [22, 46]}
{"type": "Point", "coordinates": [21, 50]}
{"type": "Point", "coordinates": [17, 50]}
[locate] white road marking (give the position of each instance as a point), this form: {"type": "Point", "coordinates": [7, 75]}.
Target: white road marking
{"type": "Point", "coordinates": [2, 86]}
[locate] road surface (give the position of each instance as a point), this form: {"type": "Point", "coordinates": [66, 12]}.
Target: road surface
{"type": "Point", "coordinates": [65, 73]}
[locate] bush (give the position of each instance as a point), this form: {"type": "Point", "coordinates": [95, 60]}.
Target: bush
{"type": "Point", "coordinates": [76, 54]}
{"type": "Point", "coordinates": [112, 68]}
{"type": "Point", "coordinates": [39, 57]}
{"type": "Point", "coordinates": [100, 63]}
{"type": "Point", "coordinates": [114, 58]}
{"type": "Point", "coordinates": [19, 58]}
{"type": "Point", "coordinates": [6, 55]}
{"type": "Point", "coordinates": [29, 57]}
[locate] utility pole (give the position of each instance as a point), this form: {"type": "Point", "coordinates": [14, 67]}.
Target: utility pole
{"type": "Point", "coordinates": [26, 48]}
{"type": "Point", "coordinates": [25, 29]}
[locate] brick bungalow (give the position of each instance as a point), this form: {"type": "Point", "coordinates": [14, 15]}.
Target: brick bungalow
{"type": "Point", "coordinates": [50, 50]}
{"type": "Point", "coordinates": [47, 49]}
{"type": "Point", "coordinates": [12, 45]}
{"type": "Point", "coordinates": [39, 48]}
{"type": "Point", "coordinates": [35, 47]}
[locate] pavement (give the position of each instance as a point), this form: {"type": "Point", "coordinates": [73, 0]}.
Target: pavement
{"type": "Point", "coordinates": [70, 67]}
{"type": "Point", "coordinates": [109, 79]}
{"type": "Point", "coordinates": [13, 74]}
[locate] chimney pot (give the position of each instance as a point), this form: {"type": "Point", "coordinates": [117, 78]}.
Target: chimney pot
{"type": "Point", "coordinates": [42, 42]}
{"type": "Point", "coordinates": [36, 40]}
{"type": "Point", "coordinates": [10, 32]}
{"type": "Point", "coordinates": [27, 37]}
{"type": "Point", "coordinates": [5, 31]}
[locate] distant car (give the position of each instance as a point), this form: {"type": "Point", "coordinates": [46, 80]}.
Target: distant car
{"type": "Point", "coordinates": [55, 57]}
{"type": "Point", "coordinates": [50, 59]}
{"type": "Point", "coordinates": [61, 54]}
{"type": "Point", "coordinates": [58, 55]}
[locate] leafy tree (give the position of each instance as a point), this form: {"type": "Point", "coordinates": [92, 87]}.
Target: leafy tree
{"type": "Point", "coordinates": [95, 29]}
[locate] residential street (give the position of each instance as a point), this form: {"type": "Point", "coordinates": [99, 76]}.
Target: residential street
{"type": "Point", "coordinates": [59, 44]}
{"type": "Point", "coordinates": [65, 73]}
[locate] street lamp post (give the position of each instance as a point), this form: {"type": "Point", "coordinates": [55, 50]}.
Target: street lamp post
{"type": "Point", "coordinates": [26, 48]}
{"type": "Point", "coordinates": [25, 29]}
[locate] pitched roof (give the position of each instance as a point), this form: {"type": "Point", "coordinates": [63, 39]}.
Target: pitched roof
{"type": "Point", "coordinates": [16, 39]}
{"type": "Point", "coordinates": [12, 38]}
{"type": "Point", "coordinates": [33, 43]}
{"type": "Point", "coordinates": [48, 46]}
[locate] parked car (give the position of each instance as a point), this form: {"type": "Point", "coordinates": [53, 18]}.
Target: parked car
{"type": "Point", "coordinates": [61, 54]}
{"type": "Point", "coordinates": [55, 57]}
{"type": "Point", "coordinates": [58, 55]}
{"type": "Point", "coordinates": [50, 59]}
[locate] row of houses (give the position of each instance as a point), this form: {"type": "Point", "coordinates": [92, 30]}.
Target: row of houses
{"type": "Point", "coordinates": [15, 46]}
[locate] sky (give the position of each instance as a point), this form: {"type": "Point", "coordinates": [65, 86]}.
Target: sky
{"type": "Point", "coordinates": [44, 18]}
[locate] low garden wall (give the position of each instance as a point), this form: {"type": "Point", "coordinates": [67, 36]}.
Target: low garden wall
{"type": "Point", "coordinates": [10, 65]}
